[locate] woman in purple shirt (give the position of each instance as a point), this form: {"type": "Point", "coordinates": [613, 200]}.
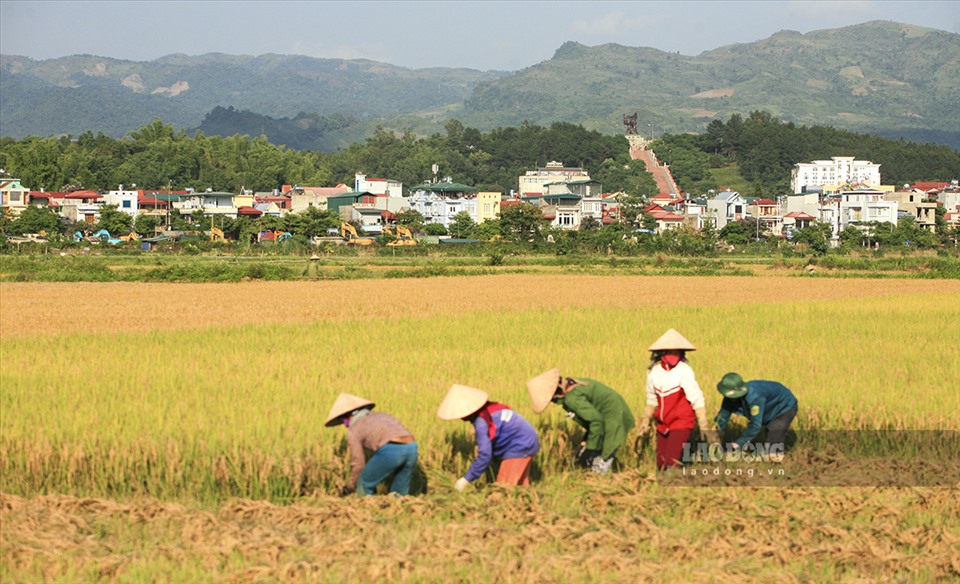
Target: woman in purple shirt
{"type": "Point", "coordinates": [501, 433]}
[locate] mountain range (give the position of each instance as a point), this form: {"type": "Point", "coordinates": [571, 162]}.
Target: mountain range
{"type": "Point", "coordinates": [884, 78]}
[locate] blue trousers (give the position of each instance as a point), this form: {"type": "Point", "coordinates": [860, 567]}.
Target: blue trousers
{"type": "Point", "coordinates": [398, 460]}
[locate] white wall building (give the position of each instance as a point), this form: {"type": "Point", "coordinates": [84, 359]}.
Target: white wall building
{"type": "Point", "coordinates": [439, 202]}
{"type": "Point", "coordinates": [839, 170]}
{"type": "Point", "coordinates": [124, 199]}
{"type": "Point", "coordinates": [533, 182]}
{"type": "Point", "coordinates": [859, 208]}
{"type": "Point", "coordinates": [377, 186]}
{"type": "Point", "coordinates": [726, 207]}
{"type": "Point", "coordinates": [808, 203]}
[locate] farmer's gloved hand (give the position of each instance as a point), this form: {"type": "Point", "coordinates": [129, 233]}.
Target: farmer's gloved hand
{"type": "Point", "coordinates": [461, 484]}
{"type": "Point", "coordinates": [586, 457]}
{"type": "Point", "coordinates": [347, 491]}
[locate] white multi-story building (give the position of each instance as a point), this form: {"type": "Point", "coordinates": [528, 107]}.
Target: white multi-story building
{"type": "Point", "coordinates": [533, 183]}
{"type": "Point", "coordinates": [439, 202]}
{"type": "Point", "coordinates": [377, 186]}
{"type": "Point", "coordinates": [727, 206]}
{"type": "Point", "coordinates": [859, 208]}
{"type": "Point", "coordinates": [839, 170]}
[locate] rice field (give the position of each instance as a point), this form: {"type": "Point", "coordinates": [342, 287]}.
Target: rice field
{"type": "Point", "coordinates": [174, 432]}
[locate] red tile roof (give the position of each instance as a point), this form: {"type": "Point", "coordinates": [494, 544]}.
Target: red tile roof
{"type": "Point", "coordinates": [83, 195]}
{"type": "Point", "coordinates": [666, 216]}
{"type": "Point", "coordinates": [929, 186]}
{"type": "Point", "coordinates": [145, 201]}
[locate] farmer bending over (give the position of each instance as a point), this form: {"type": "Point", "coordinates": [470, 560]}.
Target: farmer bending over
{"type": "Point", "coordinates": [763, 403]}
{"type": "Point", "coordinates": [593, 405]}
{"type": "Point", "coordinates": [393, 448]}
{"type": "Point", "coordinates": [501, 433]}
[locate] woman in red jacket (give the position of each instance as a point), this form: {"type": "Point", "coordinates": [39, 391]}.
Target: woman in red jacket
{"type": "Point", "coordinates": [674, 398]}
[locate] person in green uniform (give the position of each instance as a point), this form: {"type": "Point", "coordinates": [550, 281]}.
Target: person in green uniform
{"type": "Point", "coordinates": [600, 410]}
{"type": "Point", "coordinates": [765, 404]}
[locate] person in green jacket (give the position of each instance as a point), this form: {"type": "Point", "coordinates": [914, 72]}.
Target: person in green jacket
{"type": "Point", "coordinates": [599, 409]}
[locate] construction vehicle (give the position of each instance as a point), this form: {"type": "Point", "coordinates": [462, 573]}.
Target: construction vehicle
{"type": "Point", "coordinates": [349, 234]}
{"type": "Point", "coordinates": [132, 236]}
{"type": "Point", "coordinates": [216, 234]}
{"type": "Point", "coordinates": [404, 237]}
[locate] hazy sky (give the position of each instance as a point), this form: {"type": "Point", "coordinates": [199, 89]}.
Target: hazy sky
{"type": "Point", "coordinates": [504, 35]}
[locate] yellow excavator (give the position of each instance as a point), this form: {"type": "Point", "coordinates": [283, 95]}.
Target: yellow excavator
{"type": "Point", "coordinates": [404, 237]}
{"type": "Point", "coordinates": [216, 234]}
{"type": "Point", "coordinates": [349, 233]}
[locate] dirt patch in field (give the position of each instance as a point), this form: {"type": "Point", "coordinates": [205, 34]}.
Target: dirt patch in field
{"type": "Point", "coordinates": [52, 308]}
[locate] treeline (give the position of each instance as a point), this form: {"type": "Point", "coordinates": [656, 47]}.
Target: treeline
{"type": "Point", "coordinates": [303, 132]}
{"type": "Point", "coordinates": [159, 157]}
{"type": "Point", "coordinates": [760, 147]}
{"type": "Point", "coordinates": [764, 150]}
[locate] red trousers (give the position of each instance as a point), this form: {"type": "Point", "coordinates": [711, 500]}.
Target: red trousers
{"type": "Point", "coordinates": [670, 447]}
{"type": "Point", "coordinates": [514, 471]}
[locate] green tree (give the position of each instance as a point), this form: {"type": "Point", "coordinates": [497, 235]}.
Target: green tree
{"type": "Point", "coordinates": [462, 225]}
{"type": "Point", "coordinates": [850, 237]}
{"type": "Point", "coordinates": [589, 225]}
{"type": "Point", "coordinates": [411, 219]}
{"type": "Point", "coordinates": [114, 221]}
{"type": "Point", "coordinates": [487, 230]}
{"type": "Point", "coordinates": [522, 222]}
{"type": "Point", "coordinates": [35, 219]}
{"type": "Point", "coordinates": [146, 224]}
{"type": "Point", "coordinates": [434, 229]}
{"type": "Point", "coordinates": [736, 233]}
{"type": "Point", "coordinates": [648, 222]}
{"type": "Point", "coordinates": [816, 236]}
{"type": "Point", "coordinates": [311, 223]}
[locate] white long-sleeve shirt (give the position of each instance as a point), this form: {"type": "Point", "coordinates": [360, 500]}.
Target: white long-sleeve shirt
{"type": "Point", "coordinates": [662, 383]}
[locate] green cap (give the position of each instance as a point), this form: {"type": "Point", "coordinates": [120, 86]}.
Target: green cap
{"type": "Point", "coordinates": [732, 386]}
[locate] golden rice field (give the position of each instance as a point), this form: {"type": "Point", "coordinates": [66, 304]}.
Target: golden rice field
{"type": "Point", "coordinates": [174, 432]}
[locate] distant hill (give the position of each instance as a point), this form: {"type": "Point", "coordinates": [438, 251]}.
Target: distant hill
{"type": "Point", "coordinates": [80, 93]}
{"type": "Point", "coordinates": [883, 78]}
{"type": "Point", "coordinates": [880, 77]}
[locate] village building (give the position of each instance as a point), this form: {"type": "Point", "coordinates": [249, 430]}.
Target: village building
{"type": "Point", "coordinates": [839, 170]}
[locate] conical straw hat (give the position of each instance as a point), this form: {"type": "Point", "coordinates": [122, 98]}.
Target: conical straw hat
{"type": "Point", "coordinates": [672, 340]}
{"type": "Point", "coordinates": [461, 401]}
{"type": "Point", "coordinates": [542, 387]}
{"type": "Point", "coordinates": [345, 404]}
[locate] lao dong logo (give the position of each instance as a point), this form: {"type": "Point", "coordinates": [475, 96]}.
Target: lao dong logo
{"type": "Point", "coordinates": [716, 453]}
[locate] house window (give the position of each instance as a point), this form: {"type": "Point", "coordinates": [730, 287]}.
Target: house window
{"type": "Point", "coordinates": [126, 204]}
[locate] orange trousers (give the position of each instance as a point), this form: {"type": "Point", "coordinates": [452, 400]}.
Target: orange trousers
{"type": "Point", "coordinates": [514, 471]}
